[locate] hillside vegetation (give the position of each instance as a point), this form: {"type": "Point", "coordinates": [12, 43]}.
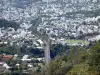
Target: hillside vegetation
{"type": "Point", "coordinates": [78, 61]}
{"type": "Point", "coordinates": [5, 23]}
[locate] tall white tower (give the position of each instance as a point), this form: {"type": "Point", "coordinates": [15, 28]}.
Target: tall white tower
{"type": "Point", "coordinates": [47, 47]}
{"type": "Point", "coordinates": [47, 52]}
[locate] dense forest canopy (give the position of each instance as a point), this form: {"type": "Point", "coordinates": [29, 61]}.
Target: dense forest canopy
{"type": "Point", "coordinates": [5, 23]}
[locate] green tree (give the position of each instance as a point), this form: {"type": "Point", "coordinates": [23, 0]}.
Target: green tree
{"type": "Point", "coordinates": [58, 66]}
{"type": "Point", "coordinates": [77, 55]}
{"type": "Point", "coordinates": [94, 57]}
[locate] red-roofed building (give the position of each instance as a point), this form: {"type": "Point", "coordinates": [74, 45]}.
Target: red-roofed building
{"type": "Point", "coordinates": [5, 57]}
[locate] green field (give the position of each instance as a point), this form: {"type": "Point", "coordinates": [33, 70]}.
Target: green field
{"type": "Point", "coordinates": [83, 42]}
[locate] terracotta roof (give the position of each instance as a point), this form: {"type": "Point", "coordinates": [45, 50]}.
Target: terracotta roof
{"type": "Point", "coordinates": [6, 57]}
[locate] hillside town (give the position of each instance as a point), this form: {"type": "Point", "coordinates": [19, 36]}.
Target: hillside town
{"type": "Point", "coordinates": [65, 22]}
{"type": "Point", "coordinates": [25, 61]}
{"type": "Point", "coordinates": [58, 18]}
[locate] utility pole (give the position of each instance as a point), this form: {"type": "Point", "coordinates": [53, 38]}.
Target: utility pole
{"type": "Point", "coordinates": [47, 47]}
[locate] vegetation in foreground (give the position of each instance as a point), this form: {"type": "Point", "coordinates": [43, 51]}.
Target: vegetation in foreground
{"type": "Point", "coordinates": [75, 61]}
{"type": "Point", "coordinates": [78, 61]}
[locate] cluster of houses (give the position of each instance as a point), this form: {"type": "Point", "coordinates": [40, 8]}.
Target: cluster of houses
{"type": "Point", "coordinates": [59, 18]}
{"type": "Point", "coordinates": [31, 63]}
{"type": "Point", "coordinates": [20, 37]}
{"type": "Point", "coordinates": [65, 18]}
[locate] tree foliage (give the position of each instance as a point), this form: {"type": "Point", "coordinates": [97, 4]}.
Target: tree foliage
{"type": "Point", "coordinates": [94, 57]}
{"type": "Point", "coordinates": [5, 23]}
{"type": "Point", "coordinates": [57, 49]}
{"type": "Point", "coordinates": [58, 66]}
